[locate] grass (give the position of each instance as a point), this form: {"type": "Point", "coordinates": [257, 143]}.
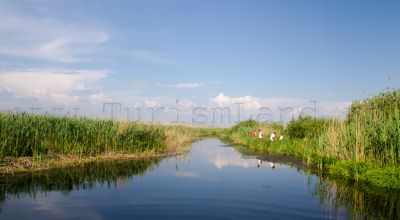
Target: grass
{"type": "Point", "coordinates": [36, 141]}
{"type": "Point", "coordinates": [363, 147]}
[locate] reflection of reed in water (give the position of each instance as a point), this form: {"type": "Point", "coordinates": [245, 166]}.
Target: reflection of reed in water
{"type": "Point", "coordinates": [66, 180]}
{"type": "Point", "coordinates": [360, 202]}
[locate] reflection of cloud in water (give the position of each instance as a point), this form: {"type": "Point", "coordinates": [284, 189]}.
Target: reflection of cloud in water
{"type": "Point", "coordinates": [51, 206]}
{"type": "Point", "coordinates": [186, 174]}
{"type": "Point", "coordinates": [221, 162]}
{"type": "Point", "coordinates": [225, 157]}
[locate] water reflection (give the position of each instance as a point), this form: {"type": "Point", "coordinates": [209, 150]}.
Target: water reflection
{"type": "Point", "coordinates": [77, 178]}
{"type": "Point", "coordinates": [211, 181]}
{"type": "Point", "coordinates": [361, 202]}
{"type": "Point", "coordinates": [224, 157]}
{"type": "Point", "coordinates": [227, 156]}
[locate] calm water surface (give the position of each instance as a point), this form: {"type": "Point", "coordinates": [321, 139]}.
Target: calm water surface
{"type": "Point", "coordinates": [212, 181]}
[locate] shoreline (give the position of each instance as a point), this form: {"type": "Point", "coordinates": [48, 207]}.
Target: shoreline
{"type": "Point", "coordinates": [21, 165]}
{"type": "Point", "coordinates": [369, 175]}
{"type": "Point", "coordinates": [11, 166]}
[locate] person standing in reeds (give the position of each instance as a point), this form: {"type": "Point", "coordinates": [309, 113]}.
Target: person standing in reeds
{"type": "Point", "coordinates": [272, 137]}
{"type": "Point", "coordinates": [254, 133]}
{"type": "Point", "coordinates": [260, 134]}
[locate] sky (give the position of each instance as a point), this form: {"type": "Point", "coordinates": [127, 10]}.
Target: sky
{"type": "Point", "coordinates": [188, 54]}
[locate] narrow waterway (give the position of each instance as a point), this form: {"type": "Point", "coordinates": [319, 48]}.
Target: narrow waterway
{"type": "Point", "coordinates": [211, 181]}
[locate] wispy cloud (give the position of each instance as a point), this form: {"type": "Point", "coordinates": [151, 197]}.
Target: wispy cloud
{"type": "Point", "coordinates": [152, 103]}
{"type": "Point", "coordinates": [50, 84]}
{"type": "Point", "coordinates": [146, 84]}
{"type": "Point", "coordinates": [146, 56]}
{"type": "Point", "coordinates": [186, 174]}
{"type": "Point", "coordinates": [99, 98]}
{"type": "Point", "coordinates": [216, 82]}
{"type": "Point", "coordinates": [26, 35]}
{"type": "Point", "coordinates": [185, 85]}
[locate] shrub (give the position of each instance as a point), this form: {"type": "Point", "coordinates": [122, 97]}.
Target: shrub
{"type": "Point", "coordinates": [305, 127]}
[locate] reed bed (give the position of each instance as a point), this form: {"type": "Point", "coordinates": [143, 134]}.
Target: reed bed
{"type": "Point", "coordinates": [25, 135]}
{"type": "Point", "coordinates": [371, 131]}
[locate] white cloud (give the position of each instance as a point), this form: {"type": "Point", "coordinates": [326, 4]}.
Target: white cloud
{"type": "Point", "coordinates": [185, 104]}
{"type": "Point", "coordinates": [146, 56]}
{"type": "Point", "coordinates": [24, 35]}
{"type": "Point", "coordinates": [288, 107]}
{"type": "Point", "coordinates": [247, 102]}
{"type": "Point", "coordinates": [98, 98]}
{"type": "Point", "coordinates": [57, 85]}
{"type": "Point", "coordinates": [222, 100]}
{"type": "Point", "coordinates": [185, 85]}
{"type": "Point", "coordinates": [152, 104]}
{"type": "Point", "coordinates": [146, 84]}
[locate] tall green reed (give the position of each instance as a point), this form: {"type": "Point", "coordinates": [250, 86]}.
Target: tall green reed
{"type": "Point", "coordinates": [36, 135]}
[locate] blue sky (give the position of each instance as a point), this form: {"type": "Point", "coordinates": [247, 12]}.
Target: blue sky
{"type": "Point", "coordinates": [280, 53]}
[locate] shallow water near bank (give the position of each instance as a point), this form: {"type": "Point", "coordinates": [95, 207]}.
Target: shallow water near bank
{"type": "Point", "coordinates": [211, 181]}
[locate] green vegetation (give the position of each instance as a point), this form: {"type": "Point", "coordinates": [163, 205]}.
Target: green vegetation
{"type": "Point", "coordinates": [374, 127]}
{"type": "Point", "coordinates": [374, 174]}
{"type": "Point", "coordinates": [306, 127]}
{"type": "Point", "coordinates": [41, 137]}
{"type": "Point", "coordinates": [363, 147]}
{"type": "Point", "coordinates": [35, 135]}
{"type": "Point", "coordinates": [241, 135]}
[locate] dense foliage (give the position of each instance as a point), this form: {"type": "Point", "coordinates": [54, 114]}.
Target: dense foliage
{"type": "Point", "coordinates": [33, 135]}
{"type": "Point", "coordinates": [305, 127]}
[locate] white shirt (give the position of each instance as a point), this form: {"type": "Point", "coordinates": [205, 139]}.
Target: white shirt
{"type": "Point", "coordinates": [272, 137]}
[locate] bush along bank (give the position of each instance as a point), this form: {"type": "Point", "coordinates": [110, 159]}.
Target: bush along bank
{"type": "Point", "coordinates": [365, 146]}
